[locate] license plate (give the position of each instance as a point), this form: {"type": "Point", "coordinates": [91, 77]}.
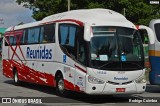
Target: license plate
{"type": "Point", "coordinates": [120, 89]}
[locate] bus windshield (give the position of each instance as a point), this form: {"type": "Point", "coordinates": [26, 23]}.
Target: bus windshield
{"type": "Point", "coordinates": [116, 48]}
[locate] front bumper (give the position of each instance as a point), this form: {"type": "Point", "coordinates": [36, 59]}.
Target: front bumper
{"type": "Point", "coordinates": [107, 88]}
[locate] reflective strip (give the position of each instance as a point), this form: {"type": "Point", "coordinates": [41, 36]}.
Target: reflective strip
{"type": "Point", "coordinates": [154, 53]}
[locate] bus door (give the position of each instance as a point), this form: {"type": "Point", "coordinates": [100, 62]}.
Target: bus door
{"type": "Point", "coordinates": [80, 65]}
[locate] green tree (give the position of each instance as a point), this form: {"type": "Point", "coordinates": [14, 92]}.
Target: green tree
{"type": "Point", "coordinates": [43, 8]}
{"type": "Point", "coordinates": [137, 11]}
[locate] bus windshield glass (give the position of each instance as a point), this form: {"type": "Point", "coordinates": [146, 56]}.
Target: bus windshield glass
{"type": "Point", "coordinates": [116, 48]}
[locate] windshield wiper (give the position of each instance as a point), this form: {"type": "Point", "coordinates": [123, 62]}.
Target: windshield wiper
{"type": "Point", "coordinates": [106, 64]}
{"type": "Point", "coordinates": [120, 63]}
{"type": "Point", "coordinates": [137, 65]}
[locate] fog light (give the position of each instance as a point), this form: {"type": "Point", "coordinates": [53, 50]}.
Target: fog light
{"type": "Point", "coordinates": [94, 88]}
{"type": "Point", "coordinates": [143, 87]}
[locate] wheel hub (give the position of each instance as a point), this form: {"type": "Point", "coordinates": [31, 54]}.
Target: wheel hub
{"type": "Point", "coordinates": [61, 85]}
{"type": "Point", "coordinates": [15, 78]}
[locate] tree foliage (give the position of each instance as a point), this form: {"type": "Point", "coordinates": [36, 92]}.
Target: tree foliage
{"type": "Point", "coordinates": [137, 11]}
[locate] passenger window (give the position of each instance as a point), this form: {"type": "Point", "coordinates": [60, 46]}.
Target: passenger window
{"type": "Point", "coordinates": [63, 34]}
{"type": "Point", "coordinates": [33, 35]}
{"type": "Point", "coordinates": [157, 31]}
{"type": "Point", "coordinates": [67, 35]}
{"type": "Point", "coordinates": [12, 40]}
{"type": "Point", "coordinates": [18, 39]}
{"type": "Point", "coordinates": [22, 38]}
{"type": "Point", "coordinates": [72, 32]}
{"type": "Point", "coordinates": [47, 34]}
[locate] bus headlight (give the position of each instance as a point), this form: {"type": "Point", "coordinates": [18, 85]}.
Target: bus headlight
{"type": "Point", "coordinates": [94, 80]}
{"type": "Point", "coordinates": [141, 79]}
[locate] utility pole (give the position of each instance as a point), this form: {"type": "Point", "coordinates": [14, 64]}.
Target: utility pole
{"type": "Point", "coordinates": [69, 4]}
{"type": "Point", "coordinates": [124, 11]}
{"type": "Point", "coordinates": [1, 21]}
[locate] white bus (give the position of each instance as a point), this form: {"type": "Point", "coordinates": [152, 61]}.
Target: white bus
{"type": "Point", "coordinates": [95, 51]}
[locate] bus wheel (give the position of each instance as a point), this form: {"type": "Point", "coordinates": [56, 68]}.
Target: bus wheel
{"type": "Point", "coordinates": [60, 86]}
{"type": "Point", "coordinates": [16, 80]}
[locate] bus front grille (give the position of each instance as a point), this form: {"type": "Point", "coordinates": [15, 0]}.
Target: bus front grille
{"type": "Point", "coordinates": [115, 83]}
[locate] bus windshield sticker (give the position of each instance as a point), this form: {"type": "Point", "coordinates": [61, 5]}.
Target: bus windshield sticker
{"type": "Point", "coordinates": [64, 58]}
{"type": "Point", "coordinates": [123, 58]}
{"type": "Point", "coordinates": [103, 57]}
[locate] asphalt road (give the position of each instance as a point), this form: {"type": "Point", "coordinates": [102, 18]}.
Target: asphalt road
{"type": "Point", "coordinates": [8, 89]}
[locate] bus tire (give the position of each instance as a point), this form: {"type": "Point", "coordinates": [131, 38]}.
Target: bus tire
{"type": "Point", "coordinates": [60, 89]}
{"type": "Point", "coordinates": [15, 77]}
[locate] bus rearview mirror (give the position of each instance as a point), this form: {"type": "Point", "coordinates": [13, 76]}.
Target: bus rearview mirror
{"type": "Point", "coordinates": [87, 32]}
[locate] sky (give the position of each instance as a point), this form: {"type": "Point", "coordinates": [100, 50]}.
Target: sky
{"type": "Point", "coordinates": [12, 14]}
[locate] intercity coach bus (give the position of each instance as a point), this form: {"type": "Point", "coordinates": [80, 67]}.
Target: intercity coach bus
{"type": "Point", "coordinates": [154, 53]}
{"type": "Point", "coordinates": [94, 51]}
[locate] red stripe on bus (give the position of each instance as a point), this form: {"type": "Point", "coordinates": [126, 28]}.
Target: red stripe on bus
{"type": "Point", "coordinates": [137, 26]}
{"type": "Point", "coordinates": [68, 85]}
{"type": "Point", "coordinates": [14, 33]}
{"type": "Point", "coordinates": [63, 20]}
{"type": "Point", "coordinates": [80, 69]}
{"type": "Point", "coordinates": [17, 43]}
{"type": "Point", "coordinates": [27, 74]}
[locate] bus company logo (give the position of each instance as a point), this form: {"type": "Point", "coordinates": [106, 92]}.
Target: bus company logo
{"type": "Point", "coordinates": [41, 53]}
{"type": "Point", "coordinates": [122, 78]}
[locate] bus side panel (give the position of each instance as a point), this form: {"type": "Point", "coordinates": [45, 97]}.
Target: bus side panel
{"type": "Point", "coordinates": [80, 78]}
{"type": "Point", "coordinates": [154, 57]}
{"type": "Point", "coordinates": [66, 66]}
{"type": "Point", "coordinates": [154, 74]}
{"type": "Point", "coordinates": [38, 68]}
{"type": "Point", "coordinates": [6, 64]}
{"type": "Point", "coordinates": [46, 64]}
{"type": "Point", "coordinates": [7, 68]}
{"type": "Point", "coordinates": [48, 70]}
{"type": "Point", "coordinates": [29, 69]}
{"type": "Point", "coordinates": [4, 50]}
{"type": "Point", "coordinates": [34, 76]}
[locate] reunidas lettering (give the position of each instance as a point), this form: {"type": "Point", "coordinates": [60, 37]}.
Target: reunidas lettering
{"type": "Point", "coordinates": [121, 78]}
{"type": "Point", "coordinates": [41, 53]}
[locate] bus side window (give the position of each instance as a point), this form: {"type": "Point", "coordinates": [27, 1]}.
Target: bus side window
{"type": "Point", "coordinates": [157, 31]}
{"type": "Point", "coordinates": [17, 39]}
{"type": "Point", "coordinates": [22, 38]}
{"type": "Point", "coordinates": [33, 35]}
{"type": "Point", "coordinates": [47, 34]}
{"type": "Point", "coordinates": [12, 40]}
{"type": "Point", "coordinates": [67, 35]}
{"type": "Point", "coordinates": [25, 34]}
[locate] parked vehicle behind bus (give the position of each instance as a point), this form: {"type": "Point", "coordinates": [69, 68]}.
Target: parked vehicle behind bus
{"type": "Point", "coordinates": [154, 53]}
{"type": "Point", "coordinates": [95, 51]}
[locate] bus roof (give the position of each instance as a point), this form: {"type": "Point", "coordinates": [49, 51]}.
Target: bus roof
{"type": "Point", "coordinates": [93, 17]}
